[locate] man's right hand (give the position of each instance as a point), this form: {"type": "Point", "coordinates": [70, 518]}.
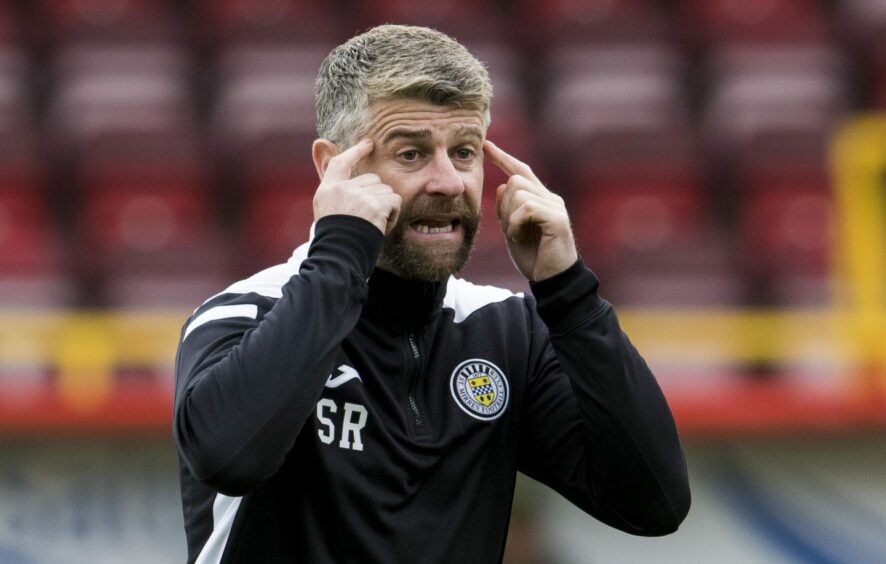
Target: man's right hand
{"type": "Point", "coordinates": [361, 196]}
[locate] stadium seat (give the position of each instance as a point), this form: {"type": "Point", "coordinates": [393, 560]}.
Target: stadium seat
{"type": "Point", "coordinates": [639, 208]}
{"type": "Point", "coordinates": [786, 227]}
{"type": "Point", "coordinates": [644, 221]}
{"type": "Point", "coordinates": [9, 25]}
{"type": "Point", "coordinates": [511, 124]}
{"type": "Point", "coordinates": [122, 102]}
{"type": "Point", "coordinates": [228, 22]}
{"type": "Point", "coordinates": [631, 89]}
{"type": "Point", "coordinates": [264, 106]}
{"type": "Point", "coordinates": [863, 21]}
{"type": "Point", "coordinates": [698, 275]}
{"type": "Point", "coordinates": [66, 21]}
{"type": "Point", "coordinates": [275, 223]}
{"type": "Point", "coordinates": [150, 235]}
{"type": "Point", "coordinates": [33, 273]}
{"type": "Point", "coordinates": [588, 21]}
{"type": "Point", "coordinates": [18, 133]}
{"type": "Point", "coordinates": [465, 20]}
{"type": "Point", "coordinates": [713, 22]}
{"type": "Point", "coordinates": [760, 92]}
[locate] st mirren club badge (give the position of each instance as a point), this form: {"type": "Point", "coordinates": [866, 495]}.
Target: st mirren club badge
{"type": "Point", "coordinates": [480, 389]}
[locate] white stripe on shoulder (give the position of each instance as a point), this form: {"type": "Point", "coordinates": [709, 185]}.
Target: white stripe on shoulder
{"type": "Point", "coordinates": [222, 312]}
{"type": "Point", "coordinates": [269, 282]}
{"type": "Point", "coordinates": [224, 510]}
{"type": "Point", "coordinates": [465, 298]}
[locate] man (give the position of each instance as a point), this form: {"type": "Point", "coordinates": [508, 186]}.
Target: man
{"type": "Point", "coordinates": [360, 404]}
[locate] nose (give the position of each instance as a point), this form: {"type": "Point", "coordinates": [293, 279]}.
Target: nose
{"type": "Point", "coordinates": [443, 178]}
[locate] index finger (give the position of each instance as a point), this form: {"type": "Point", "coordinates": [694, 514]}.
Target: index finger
{"type": "Point", "coordinates": [340, 166]}
{"type": "Point", "coordinates": [508, 164]}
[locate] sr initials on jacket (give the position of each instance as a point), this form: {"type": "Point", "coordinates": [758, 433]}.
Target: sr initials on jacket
{"type": "Point", "coordinates": [352, 421]}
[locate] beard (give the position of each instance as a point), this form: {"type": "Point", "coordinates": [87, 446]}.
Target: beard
{"type": "Point", "coordinates": [429, 263]}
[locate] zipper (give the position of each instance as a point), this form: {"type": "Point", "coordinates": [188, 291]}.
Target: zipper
{"type": "Point", "coordinates": [413, 381]}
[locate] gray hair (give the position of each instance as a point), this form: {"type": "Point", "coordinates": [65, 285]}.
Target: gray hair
{"type": "Point", "coordinates": [392, 62]}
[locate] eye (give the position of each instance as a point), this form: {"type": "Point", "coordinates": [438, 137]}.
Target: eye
{"type": "Point", "coordinates": [464, 153]}
{"type": "Point", "coordinates": [409, 155]}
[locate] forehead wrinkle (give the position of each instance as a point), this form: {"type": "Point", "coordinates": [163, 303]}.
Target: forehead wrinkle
{"type": "Point", "coordinates": [389, 115]}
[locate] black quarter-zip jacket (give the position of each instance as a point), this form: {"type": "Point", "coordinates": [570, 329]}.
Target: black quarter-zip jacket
{"type": "Point", "coordinates": [327, 411]}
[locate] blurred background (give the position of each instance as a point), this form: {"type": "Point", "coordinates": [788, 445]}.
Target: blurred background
{"type": "Point", "coordinates": [724, 162]}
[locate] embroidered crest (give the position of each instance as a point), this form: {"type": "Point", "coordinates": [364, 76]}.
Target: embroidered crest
{"type": "Point", "coordinates": [480, 389]}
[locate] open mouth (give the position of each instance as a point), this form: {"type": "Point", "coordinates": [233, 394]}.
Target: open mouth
{"type": "Point", "coordinates": [428, 226]}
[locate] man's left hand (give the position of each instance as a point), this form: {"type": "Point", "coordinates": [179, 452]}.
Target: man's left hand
{"type": "Point", "coordinates": [533, 219]}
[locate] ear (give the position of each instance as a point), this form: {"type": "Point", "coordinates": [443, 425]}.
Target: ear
{"type": "Point", "coordinates": [322, 152]}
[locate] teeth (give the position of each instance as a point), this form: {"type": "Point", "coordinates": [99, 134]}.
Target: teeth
{"type": "Point", "coordinates": [421, 228]}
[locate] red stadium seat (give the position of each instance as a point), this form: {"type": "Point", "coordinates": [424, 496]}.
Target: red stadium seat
{"type": "Point", "coordinates": [644, 223]}
{"type": "Point", "coordinates": [702, 274]}
{"type": "Point", "coordinates": [583, 21]}
{"type": "Point", "coordinates": [754, 21]}
{"type": "Point", "coordinates": [466, 20]}
{"type": "Point", "coordinates": [771, 95]}
{"type": "Point", "coordinates": [32, 270]}
{"type": "Point", "coordinates": [123, 20]}
{"type": "Point", "coordinates": [275, 223]}
{"type": "Point", "coordinates": [123, 102]}
{"type": "Point", "coordinates": [9, 24]}
{"type": "Point", "coordinates": [28, 238]}
{"type": "Point", "coordinates": [510, 105]}
{"type": "Point", "coordinates": [786, 224]}
{"type": "Point", "coordinates": [150, 235]}
{"type": "Point", "coordinates": [233, 21]}
{"type": "Point", "coordinates": [264, 107]}
{"type": "Point", "coordinates": [640, 210]}
{"type": "Point", "coordinates": [630, 90]}
{"type": "Point", "coordinates": [18, 134]}
{"type": "Point", "coordinates": [278, 211]}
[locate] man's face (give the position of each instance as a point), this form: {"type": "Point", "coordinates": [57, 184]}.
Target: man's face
{"type": "Point", "coordinates": [431, 156]}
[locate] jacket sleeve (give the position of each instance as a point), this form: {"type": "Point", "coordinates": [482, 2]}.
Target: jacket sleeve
{"type": "Point", "coordinates": [597, 427]}
{"type": "Point", "coordinates": [250, 369]}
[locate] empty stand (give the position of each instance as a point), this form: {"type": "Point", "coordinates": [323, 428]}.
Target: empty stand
{"type": "Point", "coordinates": [64, 21]}
{"type": "Point", "coordinates": [786, 230]}
{"type": "Point", "coordinates": [263, 125]}
{"type": "Point", "coordinates": [149, 235]}
{"type": "Point", "coordinates": [122, 101]}
{"type": "Point", "coordinates": [511, 101]}
{"type": "Point", "coordinates": [717, 22]}
{"type": "Point", "coordinates": [543, 24]}
{"type": "Point", "coordinates": [9, 25]}
{"type": "Point", "coordinates": [226, 22]}
{"type": "Point", "coordinates": [33, 272]}
{"type": "Point", "coordinates": [275, 223]}
{"type": "Point", "coordinates": [692, 174]}
{"type": "Point", "coordinates": [645, 223]}
{"type": "Point", "coordinates": [629, 90]}
{"type": "Point", "coordinates": [264, 106]}
{"type": "Point", "coordinates": [466, 20]}
{"type": "Point", "coordinates": [793, 93]}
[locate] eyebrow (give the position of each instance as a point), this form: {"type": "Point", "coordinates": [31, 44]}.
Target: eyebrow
{"type": "Point", "coordinates": [469, 131]}
{"type": "Point", "coordinates": [402, 133]}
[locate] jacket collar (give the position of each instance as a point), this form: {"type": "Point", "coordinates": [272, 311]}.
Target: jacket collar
{"type": "Point", "coordinates": [409, 303]}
